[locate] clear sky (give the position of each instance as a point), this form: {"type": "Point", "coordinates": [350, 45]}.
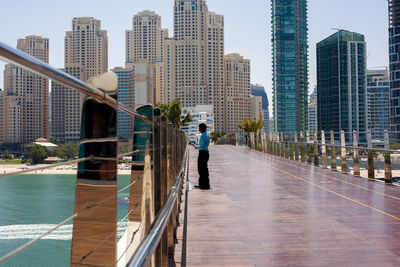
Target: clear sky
{"type": "Point", "coordinates": [247, 27]}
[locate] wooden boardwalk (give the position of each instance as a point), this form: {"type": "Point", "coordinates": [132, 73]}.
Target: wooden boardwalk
{"type": "Point", "coordinates": [267, 211]}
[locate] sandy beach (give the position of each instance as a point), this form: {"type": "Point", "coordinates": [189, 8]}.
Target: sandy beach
{"type": "Point", "coordinates": [67, 169]}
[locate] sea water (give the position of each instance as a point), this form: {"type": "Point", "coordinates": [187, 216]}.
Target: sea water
{"type": "Point", "coordinates": [32, 204]}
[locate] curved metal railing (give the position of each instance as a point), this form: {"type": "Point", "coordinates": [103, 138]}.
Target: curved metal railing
{"type": "Point", "coordinates": [159, 159]}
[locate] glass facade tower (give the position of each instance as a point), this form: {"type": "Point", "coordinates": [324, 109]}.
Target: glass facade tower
{"type": "Point", "coordinates": [394, 68]}
{"type": "Point", "coordinates": [341, 84]}
{"type": "Point", "coordinates": [378, 102]}
{"type": "Point", "coordinates": [290, 65]}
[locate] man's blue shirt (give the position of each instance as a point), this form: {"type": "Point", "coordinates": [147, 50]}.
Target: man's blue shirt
{"type": "Point", "coordinates": [204, 141]}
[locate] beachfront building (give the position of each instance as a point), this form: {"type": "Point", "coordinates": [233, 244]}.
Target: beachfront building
{"type": "Point", "coordinates": [25, 98]}
{"type": "Point", "coordinates": [86, 56]}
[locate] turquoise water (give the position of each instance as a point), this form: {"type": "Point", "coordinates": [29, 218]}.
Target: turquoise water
{"type": "Point", "coordinates": [32, 204]}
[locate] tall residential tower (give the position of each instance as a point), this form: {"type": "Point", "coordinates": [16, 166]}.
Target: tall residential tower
{"type": "Point", "coordinates": [290, 65]}
{"type": "Point", "coordinates": [26, 97]}
{"type": "Point", "coordinates": [86, 55]}
{"type": "Point", "coordinates": [195, 58]}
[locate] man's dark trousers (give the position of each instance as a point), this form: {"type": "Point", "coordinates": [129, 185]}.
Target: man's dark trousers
{"type": "Point", "coordinates": [202, 167]}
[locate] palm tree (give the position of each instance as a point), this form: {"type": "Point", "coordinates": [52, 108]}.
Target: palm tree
{"type": "Point", "coordinates": [173, 112]}
{"type": "Point", "coordinates": [252, 126]}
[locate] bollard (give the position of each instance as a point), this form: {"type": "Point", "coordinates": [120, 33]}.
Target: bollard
{"type": "Point", "coordinates": [356, 160]}
{"type": "Point", "coordinates": [343, 151]}
{"type": "Point", "coordinates": [303, 157]}
{"type": "Point", "coordinates": [308, 147]}
{"type": "Point", "coordinates": [333, 152]}
{"type": "Point", "coordinates": [316, 152]}
{"type": "Point", "coordinates": [371, 167]}
{"type": "Point", "coordinates": [323, 150]}
{"type": "Point", "coordinates": [388, 165]}
{"type": "Point", "coordinates": [296, 147]}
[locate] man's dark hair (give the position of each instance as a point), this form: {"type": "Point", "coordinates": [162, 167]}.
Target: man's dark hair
{"type": "Point", "coordinates": [203, 126]}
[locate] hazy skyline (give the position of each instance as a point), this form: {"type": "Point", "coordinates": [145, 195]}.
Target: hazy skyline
{"type": "Point", "coordinates": [247, 27]}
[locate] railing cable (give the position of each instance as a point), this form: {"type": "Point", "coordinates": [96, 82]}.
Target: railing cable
{"type": "Point", "coordinates": [25, 61]}
{"type": "Point", "coordinates": [30, 243]}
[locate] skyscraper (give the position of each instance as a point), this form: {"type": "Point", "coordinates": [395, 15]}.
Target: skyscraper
{"type": "Point", "coordinates": [195, 58]}
{"type": "Point", "coordinates": [341, 88]}
{"type": "Point", "coordinates": [312, 113]}
{"type": "Point", "coordinates": [126, 96]}
{"type": "Point", "coordinates": [258, 90]}
{"type": "Point", "coordinates": [237, 96]}
{"type": "Point", "coordinates": [394, 68]}
{"type": "Point", "coordinates": [290, 64]}
{"type": "Point", "coordinates": [26, 96]}
{"type": "Point", "coordinates": [378, 102]}
{"type": "Point", "coordinates": [86, 55]}
{"type": "Point", "coordinates": [145, 44]}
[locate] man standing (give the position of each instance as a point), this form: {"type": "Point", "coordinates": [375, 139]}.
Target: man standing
{"type": "Point", "coordinates": [202, 167]}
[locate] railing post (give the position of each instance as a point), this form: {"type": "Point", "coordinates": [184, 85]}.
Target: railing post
{"type": "Point", "coordinates": [388, 165]}
{"type": "Point", "coordinates": [96, 182]}
{"type": "Point", "coordinates": [265, 139]}
{"type": "Point", "coordinates": [290, 146]}
{"type": "Point", "coordinates": [296, 147]}
{"type": "Point", "coordinates": [157, 175]}
{"type": "Point", "coordinates": [333, 152]}
{"type": "Point", "coordinates": [282, 146]}
{"type": "Point", "coordinates": [343, 151]}
{"type": "Point", "coordinates": [275, 144]}
{"type": "Point", "coordinates": [371, 167]}
{"type": "Point", "coordinates": [286, 146]}
{"type": "Point", "coordinates": [140, 193]}
{"type": "Point", "coordinates": [356, 161]}
{"type": "Point", "coordinates": [170, 182]}
{"type": "Point", "coordinates": [278, 144]}
{"type": "Point", "coordinates": [316, 152]}
{"type": "Point", "coordinates": [302, 155]}
{"type": "Point", "coordinates": [308, 147]}
{"type": "Point", "coordinates": [164, 185]}
{"type": "Point", "coordinates": [323, 150]}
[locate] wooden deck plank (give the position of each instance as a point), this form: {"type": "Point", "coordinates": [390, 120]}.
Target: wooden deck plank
{"type": "Point", "coordinates": [268, 211]}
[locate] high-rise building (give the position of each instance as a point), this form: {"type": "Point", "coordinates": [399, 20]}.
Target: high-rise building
{"type": "Point", "coordinates": [256, 111]}
{"type": "Point", "coordinates": [258, 90]}
{"type": "Point", "coordinates": [290, 64]}
{"type": "Point", "coordinates": [378, 102]}
{"type": "Point", "coordinates": [195, 58]}
{"type": "Point", "coordinates": [145, 44]}
{"type": "Point", "coordinates": [341, 76]}
{"type": "Point", "coordinates": [237, 96]}
{"type": "Point", "coordinates": [86, 56]}
{"type": "Point", "coordinates": [394, 68]}
{"type": "Point", "coordinates": [312, 113]}
{"type": "Point", "coordinates": [126, 96]}
{"type": "Point", "coordinates": [26, 97]}
{"type": "Point", "coordinates": [201, 114]}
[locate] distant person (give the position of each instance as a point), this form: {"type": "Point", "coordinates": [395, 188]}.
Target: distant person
{"type": "Point", "coordinates": [202, 167]}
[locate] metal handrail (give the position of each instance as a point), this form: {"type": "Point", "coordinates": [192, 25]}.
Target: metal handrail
{"type": "Point", "coordinates": [26, 61]}
{"type": "Point", "coordinates": [147, 247]}
{"type": "Point", "coordinates": [350, 147]}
